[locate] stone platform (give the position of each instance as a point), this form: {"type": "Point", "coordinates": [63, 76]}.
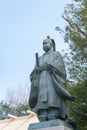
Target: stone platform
{"type": "Point", "coordinates": [55, 128]}
{"type": "Point", "coordinates": [51, 125]}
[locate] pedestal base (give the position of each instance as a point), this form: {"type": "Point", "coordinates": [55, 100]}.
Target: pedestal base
{"type": "Point", "coordinates": [55, 128]}
{"type": "Point", "coordinates": [51, 125]}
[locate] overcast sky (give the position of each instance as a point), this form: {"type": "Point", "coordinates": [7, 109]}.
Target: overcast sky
{"type": "Point", "coordinates": [24, 24]}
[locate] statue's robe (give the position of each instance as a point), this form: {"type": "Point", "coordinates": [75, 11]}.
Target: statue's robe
{"type": "Point", "coordinates": [51, 84]}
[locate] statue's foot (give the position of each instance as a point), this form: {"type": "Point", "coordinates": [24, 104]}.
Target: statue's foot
{"type": "Point", "coordinates": [52, 117]}
{"type": "Point", "coordinates": [42, 118]}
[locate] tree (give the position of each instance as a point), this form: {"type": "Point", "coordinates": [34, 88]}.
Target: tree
{"type": "Point", "coordinates": [20, 110]}
{"type": "Point", "coordinates": [17, 111]}
{"type": "Point", "coordinates": [4, 110]}
{"type": "Point", "coordinates": [16, 102]}
{"type": "Point", "coordinates": [18, 95]}
{"type": "Point", "coordinates": [78, 109]}
{"type": "Point", "coordinates": [75, 34]}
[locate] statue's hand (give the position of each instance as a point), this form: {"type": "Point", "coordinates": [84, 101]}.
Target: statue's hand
{"type": "Point", "coordinates": [41, 68]}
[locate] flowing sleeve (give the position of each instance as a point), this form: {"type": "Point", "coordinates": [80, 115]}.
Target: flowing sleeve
{"type": "Point", "coordinates": [59, 76]}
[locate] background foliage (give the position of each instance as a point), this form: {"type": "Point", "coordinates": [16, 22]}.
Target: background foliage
{"type": "Point", "coordinates": [75, 34]}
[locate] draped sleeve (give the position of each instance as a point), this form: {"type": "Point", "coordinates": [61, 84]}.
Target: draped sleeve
{"type": "Point", "coordinates": [59, 76]}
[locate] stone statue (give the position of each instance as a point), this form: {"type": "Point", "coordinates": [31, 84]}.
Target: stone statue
{"type": "Point", "coordinates": [48, 94]}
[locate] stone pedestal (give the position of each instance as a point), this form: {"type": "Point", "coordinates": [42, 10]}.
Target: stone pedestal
{"type": "Point", "coordinates": [55, 128]}
{"type": "Point", "coordinates": [51, 125]}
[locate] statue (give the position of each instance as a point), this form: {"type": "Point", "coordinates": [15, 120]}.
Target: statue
{"type": "Point", "coordinates": [48, 94]}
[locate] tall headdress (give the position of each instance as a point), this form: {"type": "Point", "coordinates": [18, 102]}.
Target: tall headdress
{"type": "Point", "coordinates": [53, 43]}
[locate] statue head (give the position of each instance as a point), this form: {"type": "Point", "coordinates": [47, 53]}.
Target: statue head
{"type": "Point", "coordinates": [47, 44]}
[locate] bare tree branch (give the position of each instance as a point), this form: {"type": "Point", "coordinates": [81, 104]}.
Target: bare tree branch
{"type": "Point", "coordinates": [73, 25]}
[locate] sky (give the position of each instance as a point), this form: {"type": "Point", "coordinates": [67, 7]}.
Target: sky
{"type": "Point", "coordinates": [24, 24]}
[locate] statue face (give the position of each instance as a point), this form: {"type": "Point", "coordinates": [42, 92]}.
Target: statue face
{"type": "Point", "coordinates": [46, 46]}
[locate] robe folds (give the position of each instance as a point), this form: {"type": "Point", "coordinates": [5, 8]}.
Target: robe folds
{"type": "Point", "coordinates": [48, 87]}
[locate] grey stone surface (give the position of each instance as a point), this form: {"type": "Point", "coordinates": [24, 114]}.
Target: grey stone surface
{"type": "Point", "coordinates": [49, 124]}
{"type": "Point", "coordinates": [55, 128]}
